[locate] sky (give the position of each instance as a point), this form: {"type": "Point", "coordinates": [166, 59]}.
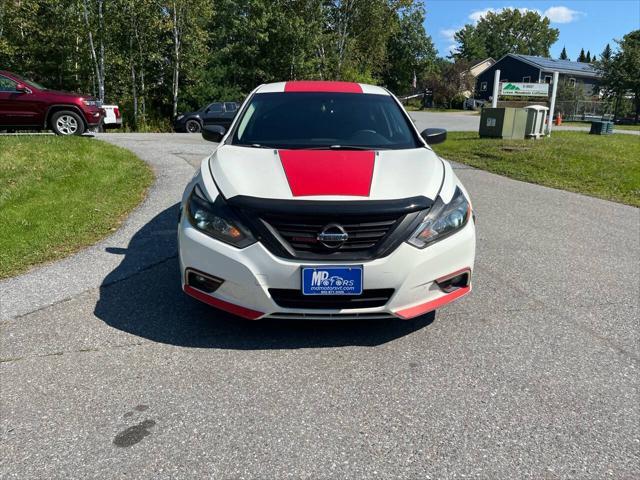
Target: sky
{"type": "Point", "coordinates": [588, 24]}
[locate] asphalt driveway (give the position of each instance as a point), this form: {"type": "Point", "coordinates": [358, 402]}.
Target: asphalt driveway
{"type": "Point", "coordinates": [108, 371]}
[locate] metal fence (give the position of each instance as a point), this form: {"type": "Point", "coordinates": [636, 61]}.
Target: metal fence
{"type": "Point", "coordinates": [585, 110]}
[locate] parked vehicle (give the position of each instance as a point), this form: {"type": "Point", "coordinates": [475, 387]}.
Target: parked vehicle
{"type": "Point", "coordinates": [473, 104]}
{"type": "Point", "coordinates": [217, 113]}
{"type": "Point", "coordinates": [112, 117]}
{"type": "Point", "coordinates": [323, 201]}
{"type": "Point", "coordinates": [25, 104]}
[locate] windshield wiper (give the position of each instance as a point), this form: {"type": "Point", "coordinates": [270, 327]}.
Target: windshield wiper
{"type": "Point", "coordinates": [338, 147]}
{"type": "Point", "coordinates": [251, 145]}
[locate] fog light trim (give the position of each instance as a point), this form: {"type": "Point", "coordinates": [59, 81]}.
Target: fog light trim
{"type": "Point", "coordinates": [202, 281]}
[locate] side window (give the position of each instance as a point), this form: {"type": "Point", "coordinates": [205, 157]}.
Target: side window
{"type": "Point", "coordinates": [7, 85]}
{"type": "Point", "coordinates": [572, 82]}
{"type": "Point", "coordinates": [230, 106]}
{"type": "Point", "coordinates": [526, 79]}
{"type": "Point", "coordinates": [547, 78]}
{"type": "Point", "coordinates": [215, 108]}
{"type": "Point", "coordinates": [483, 87]}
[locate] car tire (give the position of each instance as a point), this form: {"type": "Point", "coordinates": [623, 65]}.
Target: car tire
{"type": "Point", "coordinates": [193, 126]}
{"type": "Point", "coordinates": [67, 123]}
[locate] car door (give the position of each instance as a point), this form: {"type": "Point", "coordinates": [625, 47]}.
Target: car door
{"type": "Point", "coordinates": [17, 109]}
{"type": "Point", "coordinates": [214, 114]}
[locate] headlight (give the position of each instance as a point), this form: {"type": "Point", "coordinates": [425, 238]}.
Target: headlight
{"type": "Point", "coordinates": [442, 220]}
{"type": "Point", "coordinates": [217, 220]}
{"type": "Point", "coordinates": [179, 117]}
{"type": "Point", "coordinates": [91, 103]}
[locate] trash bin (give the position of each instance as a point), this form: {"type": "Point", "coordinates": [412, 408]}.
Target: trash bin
{"type": "Point", "coordinates": [600, 127]}
{"type": "Point", "coordinates": [504, 122]}
{"type": "Point", "coordinates": [536, 115]}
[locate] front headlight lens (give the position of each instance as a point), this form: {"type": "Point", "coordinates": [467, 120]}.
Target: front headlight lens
{"type": "Point", "coordinates": [217, 220]}
{"type": "Point", "coordinates": [91, 103]}
{"type": "Point", "coordinates": [179, 117]}
{"type": "Point", "coordinates": [442, 220]}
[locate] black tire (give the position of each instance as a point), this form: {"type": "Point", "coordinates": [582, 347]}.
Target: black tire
{"type": "Point", "coordinates": [67, 123]}
{"type": "Point", "coordinates": [193, 126]}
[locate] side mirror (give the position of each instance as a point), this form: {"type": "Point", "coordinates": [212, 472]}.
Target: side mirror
{"type": "Point", "coordinates": [21, 87]}
{"type": "Point", "coordinates": [213, 133]}
{"type": "Point", "coordinates": [434, 135]}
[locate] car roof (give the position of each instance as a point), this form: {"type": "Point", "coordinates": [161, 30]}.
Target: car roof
{"type": "Point", "coordinates": [321, 86]}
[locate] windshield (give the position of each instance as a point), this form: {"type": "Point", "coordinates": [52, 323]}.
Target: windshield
{"type": "Point", "coordinates": [324, 120]}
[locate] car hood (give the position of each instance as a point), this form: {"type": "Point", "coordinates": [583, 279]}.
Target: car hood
{"type": "Point", "coordinates": [62, 93]}
{"type": "Point", "coordinates": [326, 174]}
{"type": "Point", "coordinates": [190, 114]}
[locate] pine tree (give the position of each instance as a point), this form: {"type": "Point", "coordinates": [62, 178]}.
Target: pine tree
{"type": "Point", "coordinates": [606, 54]}
{"type": "Point", "coordinates": [588, 58]}
{"type": "Point", "coordinates": [563, 54]}
{"type": "Point", "coordinates": [582, 57]}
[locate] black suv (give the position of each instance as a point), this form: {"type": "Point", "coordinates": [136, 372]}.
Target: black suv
{"type": "Point", "coordinates": [217, 113]}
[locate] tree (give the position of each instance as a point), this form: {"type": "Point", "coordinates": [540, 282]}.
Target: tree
{"type": "Point", "coordinates": [606, 54]}
{"type": "Point", "coordinates": [470, 44]}
{"type": "Point", "coordinates": [588, 57]}
{"type": "Point", "coordinates": [620, 75]}
{"type": "Point", "coordinates": [410, 51]}
{"type": "Point", "coordinates": [582, 57]}
{"type": "Point", "coordinates": [157, 57]}
{"type": "Point", "coordinates": [563, 54]}
{"type": "Point", "coordinates": [97, 58]}
{"type": "Point", "coordinates": [449, 81]}
{"type": "Point", "coordinates": [508, 31]}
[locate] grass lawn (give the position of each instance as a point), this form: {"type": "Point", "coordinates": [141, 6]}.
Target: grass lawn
{"type": "Point", "coordinates": [60, 194]}
{"type": "Point", "coordinates": [601, 166]}
{"type": "Point", "coordinates": [615, 127]}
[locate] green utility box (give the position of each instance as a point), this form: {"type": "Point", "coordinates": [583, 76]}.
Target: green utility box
{"type": "Point", "coordinates": [503, 123]}
{"type": "Point", "coordinates": [600, 127]}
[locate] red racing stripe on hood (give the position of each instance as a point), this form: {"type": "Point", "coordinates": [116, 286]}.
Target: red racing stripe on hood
{"type": "Point", "coordinates": [320, 86]}
{"type": "Point", "coordinates": [328, 172]}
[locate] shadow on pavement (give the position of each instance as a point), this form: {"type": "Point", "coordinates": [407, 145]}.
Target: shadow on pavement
{"type": "Point", "coordinates": [142, 296]}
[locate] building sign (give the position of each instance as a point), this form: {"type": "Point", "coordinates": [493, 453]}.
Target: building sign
{"type": "Point", "coordinates": [514, 89]}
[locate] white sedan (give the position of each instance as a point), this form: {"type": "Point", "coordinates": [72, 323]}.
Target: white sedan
{"type": "Point", "coordinates": [323, 201]}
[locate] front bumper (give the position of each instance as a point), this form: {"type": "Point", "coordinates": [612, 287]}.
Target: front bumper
{"type": "Point", "coordinates": [249, 273]}
{"type": "Point", "coordinates": [93, 117]}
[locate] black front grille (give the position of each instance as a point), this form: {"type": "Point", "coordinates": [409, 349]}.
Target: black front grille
{"type": "Point", "coordinates": [290, 228]}
{"type": "Point", "coordinates": [301, 233]}
{"type": "Point", "coordinates": [290, 298]}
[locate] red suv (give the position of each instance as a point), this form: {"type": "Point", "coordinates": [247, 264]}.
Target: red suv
{"type": "Point", "coordinates": [27, 105]}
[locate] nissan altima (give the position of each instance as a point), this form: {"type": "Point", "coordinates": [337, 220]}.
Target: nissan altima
{"type": "Point", "coordinates": [323, 201]}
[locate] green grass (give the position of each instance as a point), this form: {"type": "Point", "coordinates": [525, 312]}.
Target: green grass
{"type": "Point", "coordinates": [615, 127]}
{"type": "Point", "coordinates": [60, 194]}
{"type": "Point", "coordinates": [627, 127]}
{"type": "Point", "coordinates": [601, 166]}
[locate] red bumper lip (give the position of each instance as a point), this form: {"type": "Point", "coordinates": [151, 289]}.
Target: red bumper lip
{"type": "Point", "coordinates": [222, 305]}
{"type": "Point", "coordinates": [432, 305]}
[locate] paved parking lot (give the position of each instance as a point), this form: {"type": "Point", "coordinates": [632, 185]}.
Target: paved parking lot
{"type": "Point", "coordinates": [470, 122]}
{"type": "Point", "coordinates": [108, 371]}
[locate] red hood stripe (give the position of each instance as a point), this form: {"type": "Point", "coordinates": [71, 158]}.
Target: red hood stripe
{"type": "Point", "coordinates": [320, 86]}
{"type": "Point", "coordinates": [328, 172]}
